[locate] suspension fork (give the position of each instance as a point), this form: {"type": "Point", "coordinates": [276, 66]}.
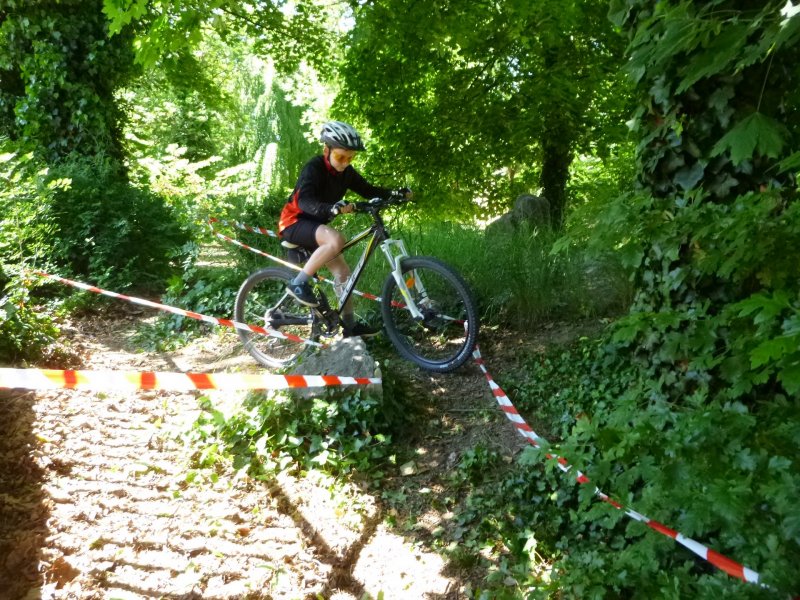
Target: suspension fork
{"type": "Point", "coordinates": [395, 252]}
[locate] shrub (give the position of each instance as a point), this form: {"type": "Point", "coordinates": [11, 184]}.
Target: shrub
{"type": "Point", "coordinates": [27, 333]}
{"type": "Point", "coordinates": [78, 218]}
{"type": "Point", "coordinates": [340, 432]}
{"type": "Point", "coordinates": [82, 218]}
{"type": "Point", "coordinates": [110, 232]}
{"type": "Point", "coordinates": [712, 468]}
{"type": "Point", "coordinates": [26, 235]}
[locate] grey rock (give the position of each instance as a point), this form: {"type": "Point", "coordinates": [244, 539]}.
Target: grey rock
{"type": "Point", "coordinates": [530, 210]}
{"type": "Point", "coordinates": [347, 357]}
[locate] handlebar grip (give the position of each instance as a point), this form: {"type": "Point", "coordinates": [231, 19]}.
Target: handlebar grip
{"type": "Point", "coordinates": [378, 203]}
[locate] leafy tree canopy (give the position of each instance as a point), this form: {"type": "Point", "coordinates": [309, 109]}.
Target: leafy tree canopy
{"type": "Point", "coordinates": [165, 28]}
{"type": "Point", "coordinates": [474, 97]}
{"type": "Point", "coordinates": [58, 74]}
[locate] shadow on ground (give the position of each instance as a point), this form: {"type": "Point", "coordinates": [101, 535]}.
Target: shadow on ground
{"type": "Point", "coordinates": [23, 504]}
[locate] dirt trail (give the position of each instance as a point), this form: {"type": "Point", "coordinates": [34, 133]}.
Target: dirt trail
{"type": "Point", "coordinates": [94, 501]}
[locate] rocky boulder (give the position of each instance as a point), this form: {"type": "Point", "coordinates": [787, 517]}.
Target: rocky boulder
{"type": "Point", "coordinates": [347, 357]}
{"type": "Point", "coordinates": [532, 211]}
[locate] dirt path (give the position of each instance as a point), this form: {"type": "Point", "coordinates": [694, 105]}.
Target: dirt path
{"type": "Point", "coordinates": [95, 502]}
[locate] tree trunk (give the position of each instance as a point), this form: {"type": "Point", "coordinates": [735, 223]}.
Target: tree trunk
{"type": "Point", "coordinates": [553, 179]}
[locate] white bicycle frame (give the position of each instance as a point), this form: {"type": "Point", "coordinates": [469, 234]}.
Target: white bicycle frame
{"type": "Point", "coordinates": [394, 251]}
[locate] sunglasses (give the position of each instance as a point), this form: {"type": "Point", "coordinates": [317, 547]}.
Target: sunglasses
{"type": "Point", "coordinates": [343, 156]}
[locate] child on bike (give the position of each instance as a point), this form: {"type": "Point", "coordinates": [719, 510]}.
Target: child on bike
{"type": "Point", "coordinates": [317, 198]}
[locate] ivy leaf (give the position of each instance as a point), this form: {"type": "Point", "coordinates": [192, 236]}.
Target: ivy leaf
{"type": "Point", "coordinates": [721, 97]}
{"type": "Point", "coordinates": [790, 162]}
{"type": "Point", "coordinates": [688, 177]}
{"type": "Point", "coordinates": [717, 56]}
{"type": "Point", "coordinates": [756, 134]}
{"type": "Point", "coordinates": [790, 378]}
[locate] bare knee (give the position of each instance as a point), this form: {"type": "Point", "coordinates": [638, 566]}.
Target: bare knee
{"type": "Point", "coordinates": [330, 238]}
{"type": "Point", "coordinates": [338, 242]}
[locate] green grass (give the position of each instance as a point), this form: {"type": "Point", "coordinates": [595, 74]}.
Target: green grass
{"type": "Point", "coordinates": [517, 279]}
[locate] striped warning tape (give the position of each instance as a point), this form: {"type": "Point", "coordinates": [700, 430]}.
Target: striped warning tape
{"type": "Point", "coordinates": [720, 561]}
{"type": "Point", "coordinates": [257, 251]}
{"type": "Point", "coordinates": [40, 379]}
{"type": "Point", "coordinates": [285, 263]}
{"type": "Point", "coordinates": [244, 227]}
{"type": "Point", "coordinates": [731, 567]}
{"type": "Point", "coordinates": [179, 311]}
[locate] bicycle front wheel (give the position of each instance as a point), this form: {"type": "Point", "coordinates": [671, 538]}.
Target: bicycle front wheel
{"type": "Point", "coordinates": [262, 300]}
{"type": "Point", "coordinates": [443, 339]}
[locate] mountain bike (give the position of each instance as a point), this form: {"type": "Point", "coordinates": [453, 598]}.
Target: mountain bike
{"type": "Point", "coordinates": [428, 310]}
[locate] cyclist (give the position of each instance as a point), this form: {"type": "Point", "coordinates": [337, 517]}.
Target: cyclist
{"type": "Point", "coordinates": [317, 198]}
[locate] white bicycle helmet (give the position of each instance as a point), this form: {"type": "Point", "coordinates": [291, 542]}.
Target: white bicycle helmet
{"type": "Point", "coordinates": [341, 135]}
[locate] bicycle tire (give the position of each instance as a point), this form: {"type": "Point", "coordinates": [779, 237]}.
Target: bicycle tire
{"type": "Point", "coordinates": [446, 336]}
{"type": "Point", "coordinates": [262, 300]}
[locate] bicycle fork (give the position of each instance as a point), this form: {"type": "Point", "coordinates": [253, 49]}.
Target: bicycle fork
{"type": "Point", "coordinates": [395, 252]}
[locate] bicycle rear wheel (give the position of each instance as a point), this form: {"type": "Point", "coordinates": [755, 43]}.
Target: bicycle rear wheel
{"type": "Point", "coordinates": [445, 337]}
{"type": "Point", "coordinates": [262, 300]}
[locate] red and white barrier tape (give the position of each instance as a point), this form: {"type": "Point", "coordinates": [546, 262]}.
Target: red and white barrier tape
{"type": "Point", "coordinates": [180, 311]}
{"type": "Point", "coordinates": [720, 561]}
{"type": "Point", "coordinates": [285, 263]}
{"type": "Point", "coordinates": [724, 563]}
{"type": "Point", "coordinates": [41, 379]}
{"type": "Point", "coordinates": [244, 227]}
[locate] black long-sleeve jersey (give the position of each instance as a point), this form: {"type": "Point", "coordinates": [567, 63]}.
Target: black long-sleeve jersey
{"type": "Point", "coordinates": [319, 187]}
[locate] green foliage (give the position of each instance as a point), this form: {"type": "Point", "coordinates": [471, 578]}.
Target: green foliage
{"type": "Point", "coordinates": [720, 475]}
{"type": "Point", "coordinates": [697, 425]}
{"type": "Point", "coordinates": [753, 135]}
{"type": "Point", "coordinates": [25, 237]}
{"type": "Point", "coordinates": [169, 27]}
{"type": "Point", "coordinates": [79, 218]}
{"type": "Point", "coordinates": [517, 278]}
{"type": "Point", "coordinates": [110, 232]}
{"type": "Point", "coordinates": [773, 344]}
{"type": "Point", "coordinates": [226, 142]}
{"type": "Point", "coordinates": [339, 433]}
{"type": "Point", "coordinates": [58, 74]}
{"type": "Point", "coordinates": [472, 116]}
{"type": "Point", "coordinates": [26, 192]}
{"type": "Point", "coordinates": [595, 183]}
{"type": "Point", "coordinates": [687, 411]}
{"type": "Point", "coordinates": [27, 332]}
{"type": "Point", "coordinates": [205, 289]}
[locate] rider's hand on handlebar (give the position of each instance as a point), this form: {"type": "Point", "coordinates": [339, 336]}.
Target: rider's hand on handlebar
{"type": "Point", "coordinates": [404, 193]}
{"type": "Point", "coordinates": [342, 207]}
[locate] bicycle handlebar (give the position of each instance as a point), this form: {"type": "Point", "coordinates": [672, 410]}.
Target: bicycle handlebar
{"type": "Point", "coordinates": [380, 203]}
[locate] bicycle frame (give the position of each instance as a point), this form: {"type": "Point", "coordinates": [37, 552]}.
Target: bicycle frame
{"type": "Point", "coordinates": [394, 251]}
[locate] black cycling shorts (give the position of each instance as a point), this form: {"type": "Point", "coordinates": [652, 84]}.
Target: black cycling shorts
{"type": "Point", "coordinates": [303, 233]}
